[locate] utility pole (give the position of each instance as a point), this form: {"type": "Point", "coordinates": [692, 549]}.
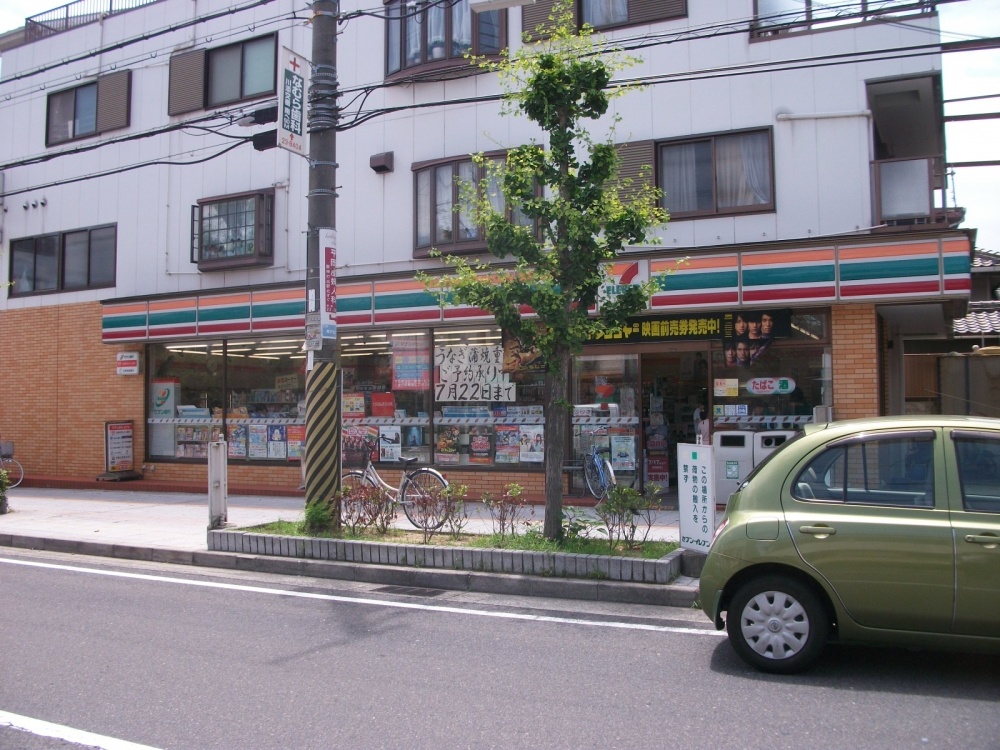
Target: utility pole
{"type": "Point", "coordinates": [323, 412]}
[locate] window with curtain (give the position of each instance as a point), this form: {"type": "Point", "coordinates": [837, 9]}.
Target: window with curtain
{"type": "Point", "coordinates": [600, 13]}
{"type": "Point", "coordinates": [719, 174]}
{"type": "Point", "coordinates": [442, 219]}
{"type": "Point", "coordinates": [421, 34]}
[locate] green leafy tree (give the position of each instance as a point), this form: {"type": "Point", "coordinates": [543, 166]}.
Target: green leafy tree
{"type": "Point", "coordinates": [575, 216]}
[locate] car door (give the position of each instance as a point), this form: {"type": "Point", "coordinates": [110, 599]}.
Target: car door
{"type": "Point", "coordinates": [975, 514]}
{"type": "Point", "coordinates": [866, 514]}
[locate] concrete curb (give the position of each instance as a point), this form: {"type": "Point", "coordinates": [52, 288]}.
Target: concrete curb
{"type": "Point", "coordinates": [681, 592]}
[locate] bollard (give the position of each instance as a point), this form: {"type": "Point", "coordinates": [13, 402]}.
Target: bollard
{"type": "Point", "coordinates": [218, 484]}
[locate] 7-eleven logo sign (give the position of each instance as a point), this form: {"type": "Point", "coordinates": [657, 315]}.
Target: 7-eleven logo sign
{"type": "Point", "coordinates": [622, 274]}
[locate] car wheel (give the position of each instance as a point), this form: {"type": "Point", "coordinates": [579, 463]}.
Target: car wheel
{"type": "Point", "coordinates": [777, 624]}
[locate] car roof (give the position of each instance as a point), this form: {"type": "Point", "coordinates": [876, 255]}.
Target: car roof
{"type": "Point", "coordinates": [909, 421]}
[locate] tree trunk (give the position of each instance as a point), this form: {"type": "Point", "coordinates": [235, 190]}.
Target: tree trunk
{"type": "Point", "coordinates": [556, 401]}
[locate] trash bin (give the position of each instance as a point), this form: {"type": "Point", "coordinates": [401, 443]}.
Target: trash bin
{"type": "Point", "coordinates": [733, 456]}
{"type": "Point", "coordinates": [767, 442]}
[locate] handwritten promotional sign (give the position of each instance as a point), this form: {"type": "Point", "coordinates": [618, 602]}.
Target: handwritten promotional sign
{"type": "Point", "coordinates": [472, 373]}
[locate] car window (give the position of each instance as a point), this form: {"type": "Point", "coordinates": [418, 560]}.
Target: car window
{"type": "Point", "coordinates": [978, 457]}
{"type": "Point", "coordinates": [895, 470]}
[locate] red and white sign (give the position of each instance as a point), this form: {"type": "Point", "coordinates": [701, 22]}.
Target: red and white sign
{"type": "Point", "coordinates": [127, 363]}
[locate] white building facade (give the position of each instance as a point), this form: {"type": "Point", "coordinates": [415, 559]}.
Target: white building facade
{"type": "Point", "coordinates": [801, 156]}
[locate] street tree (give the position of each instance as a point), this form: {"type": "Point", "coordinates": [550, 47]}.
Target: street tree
{"type": "Point", "coordinates": [563, 218]}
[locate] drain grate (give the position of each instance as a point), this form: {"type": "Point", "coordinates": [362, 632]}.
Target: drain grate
{"type": "Point", "coordinates": [409, 591]}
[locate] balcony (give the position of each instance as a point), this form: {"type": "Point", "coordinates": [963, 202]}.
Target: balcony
{"type": "Point", "coordinates": [784, 17]}
{"type": "Point", "coordinates": [910, 193]}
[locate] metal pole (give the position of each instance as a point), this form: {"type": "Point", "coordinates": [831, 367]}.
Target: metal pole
{"type": "Point", "coordinates": [323, 413]}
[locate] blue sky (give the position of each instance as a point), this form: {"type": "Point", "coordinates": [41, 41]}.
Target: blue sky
{"type": "Point", "coordinates": [967, 74]}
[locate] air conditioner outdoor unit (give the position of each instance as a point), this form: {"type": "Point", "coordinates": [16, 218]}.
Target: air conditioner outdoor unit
{"type": "Point", "coordinates": [484, 6]}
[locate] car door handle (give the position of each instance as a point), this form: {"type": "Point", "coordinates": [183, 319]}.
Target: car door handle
{"type": "Point", "coordinates": [987, 540]}
{"type": "Point", "coordinates": [820, 532]}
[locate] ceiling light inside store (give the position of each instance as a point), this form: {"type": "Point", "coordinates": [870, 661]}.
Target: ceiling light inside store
{"type": "Point", "coordinates": [401, 335]}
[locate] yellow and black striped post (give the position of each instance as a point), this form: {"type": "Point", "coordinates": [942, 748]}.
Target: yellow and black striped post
{"type": "Point", "coordinates": [323, 444]}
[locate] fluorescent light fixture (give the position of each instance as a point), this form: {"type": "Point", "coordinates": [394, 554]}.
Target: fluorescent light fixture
{"type": "Point", "coordinates": [485, 6]}
{"type": "Point", "coordinates": [401, 335]}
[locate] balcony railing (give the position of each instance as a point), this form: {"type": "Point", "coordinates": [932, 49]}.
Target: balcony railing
{"type": "Point", "coordinates": [779, 17]}
{"type": "Point", "coordinates": [75, 14]}
{"type": "Point", "coordinates": [912, 193]}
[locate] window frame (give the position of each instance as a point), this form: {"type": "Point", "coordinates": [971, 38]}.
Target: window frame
{"type": "Point", "coordinates": [111, 102]}
{"type": "Point", "coordinates": [263, 223]}
{"type": "Point", "coordinates": [451, 57]}
{"type": "Point", "coordinates": [453, 246]}
{"type": "Point", "coordinates": [216, 52]}
{"type": "Point", "coordinates": [60, 262]}
{"type": "Point", "coordinates": [712, 139]}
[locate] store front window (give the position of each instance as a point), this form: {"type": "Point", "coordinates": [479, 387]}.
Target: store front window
{"type": "Point", "coordinates": [386, 382]}
{"type": "Point", "coordinates": [606, 405]}
{"type": "Point", "coordinates": [253, 392]}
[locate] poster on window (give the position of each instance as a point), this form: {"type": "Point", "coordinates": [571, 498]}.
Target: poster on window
{"type": "Point", "coordinates": [257, 441]}
{"type": "Point", "coordinates": [480, 445]}
{"type": "Point", "coordinates": [411, 362]}
{"type": "Point", "coordinates": [508, 439]}
{"type": "Point", "coordinates": [277, 442]}
{"type": "Point", "coordinates": [532, 446]}
{"type": "Point", "coordinates": [238, 441]}
{"type": "Point", "coordinates": [353, 404]}
{"type": "Point", "coordinates": [390, 442]}
{"type": "Point", "coordinates": [296, 434]}
{"type": "Point", "coordinates": [446, 445]}
{"type": "Point", "coordinates": [623, 452]}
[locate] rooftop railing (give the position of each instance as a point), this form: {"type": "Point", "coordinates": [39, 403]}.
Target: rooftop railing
{"type": "Point", "coordinates": [75, 14]}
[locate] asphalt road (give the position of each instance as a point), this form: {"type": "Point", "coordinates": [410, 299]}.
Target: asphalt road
{"type": "Point", "coordinates": [171, 657]}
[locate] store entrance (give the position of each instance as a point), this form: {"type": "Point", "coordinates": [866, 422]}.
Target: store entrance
{"type": "Point", "coordinates": [674, 385]}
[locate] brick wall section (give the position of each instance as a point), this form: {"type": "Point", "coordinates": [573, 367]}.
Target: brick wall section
{"type": "Point", "coordinates": [58, 386]}
{"type": "Point", "coordinates": [856, 358]}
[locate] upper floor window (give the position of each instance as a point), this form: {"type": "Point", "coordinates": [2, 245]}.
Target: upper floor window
{"type": "Point", "coordinates": [438, 32]}
{"type": "Point", "coordinates": [68, 261]}
{"type": "Point", "coordinates": [233, 231]}
{"type": "Point", "coordinates": [781, 16]}
{"type": "Point", "coordinates": [720, 174]}
{"type": "Point", "coordinates": [607, 13]}
{"type": "Point", "coordinates": [90, 109]}
{"type": "Point", "coordinates": [224, 75]}
{"type": "Point", "coordinates": [442, 221]}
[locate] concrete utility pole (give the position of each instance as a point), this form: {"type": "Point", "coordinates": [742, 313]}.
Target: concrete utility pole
{"type": "Point", "coordinates": [323, 413]}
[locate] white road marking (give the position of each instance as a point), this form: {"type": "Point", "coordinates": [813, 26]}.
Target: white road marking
{"type": "Point", "coordinates": [76, 736]}
{"type": "Point", "coordinates": [371, 602]}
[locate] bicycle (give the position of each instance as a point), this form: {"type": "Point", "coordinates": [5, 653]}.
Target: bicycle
{"type": "Point", "coordinates": [15, 472]}
{"type": "Point", "coordinates": [415, 487]}
{"type": "Point", "coordinates": [598, 473]}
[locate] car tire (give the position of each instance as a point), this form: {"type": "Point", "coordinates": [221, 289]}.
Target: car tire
{"type": "Point", "coordinates": [777, 624]}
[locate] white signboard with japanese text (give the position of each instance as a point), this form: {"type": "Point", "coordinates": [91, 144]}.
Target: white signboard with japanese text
{"type": "Point", "coordinates": [696, 496]}
{"type": "Point", "coordinates": [291, 107]}
{"type": "Point", "coordinates": [471, 373]}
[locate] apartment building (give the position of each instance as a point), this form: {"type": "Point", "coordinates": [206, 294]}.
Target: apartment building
{"type": "Point", "coordinates": [156, 263]}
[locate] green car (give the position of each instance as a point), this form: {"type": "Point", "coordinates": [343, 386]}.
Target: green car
{"type": "Point", "coordinates": [877, 531]}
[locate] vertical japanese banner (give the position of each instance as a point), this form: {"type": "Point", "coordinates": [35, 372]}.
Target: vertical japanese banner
{"type": "Point", "coordinates": [291, 115]}
{"type": "Point", "coordinates": [696, 495]}
{"type": "Point", "coordinates": [328, 282]}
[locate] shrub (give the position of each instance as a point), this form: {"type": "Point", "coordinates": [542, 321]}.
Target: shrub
{"type": "Point", "coordinates": [625, 510]}
{"type": "Point", "coordinates": [4, 484]}
{"type": "Point", "coordinates": [506, 510]}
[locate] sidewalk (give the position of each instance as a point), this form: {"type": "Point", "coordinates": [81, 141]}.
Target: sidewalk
{"type": "Point", "coordinates": [173, 527]}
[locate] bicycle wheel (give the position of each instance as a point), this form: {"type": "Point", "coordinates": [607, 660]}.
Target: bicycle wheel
{"type": "Point", "coordinates": [607, 481]}
{"type": "Point", "coordinates": [592, 475]}
{"type": "Point", "coordinates": [15, 472]}
{"type": "Point", "coordinates": [421, 499]}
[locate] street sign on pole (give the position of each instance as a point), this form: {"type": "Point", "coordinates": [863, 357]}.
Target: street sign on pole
{"type": "Point", "coordinates": [696, 496]}
{"type": "Point", "coordinates": [328, 283]}
{"type": "Point", "coordinates": [291, 107]}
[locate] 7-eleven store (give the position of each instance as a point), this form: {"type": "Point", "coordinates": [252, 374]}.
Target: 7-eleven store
{"type": "Point", "coordinates": [759, 338]}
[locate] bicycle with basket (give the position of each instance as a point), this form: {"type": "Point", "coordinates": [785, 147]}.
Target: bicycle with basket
{"type": "Point", "coordinates": [417, 490]}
